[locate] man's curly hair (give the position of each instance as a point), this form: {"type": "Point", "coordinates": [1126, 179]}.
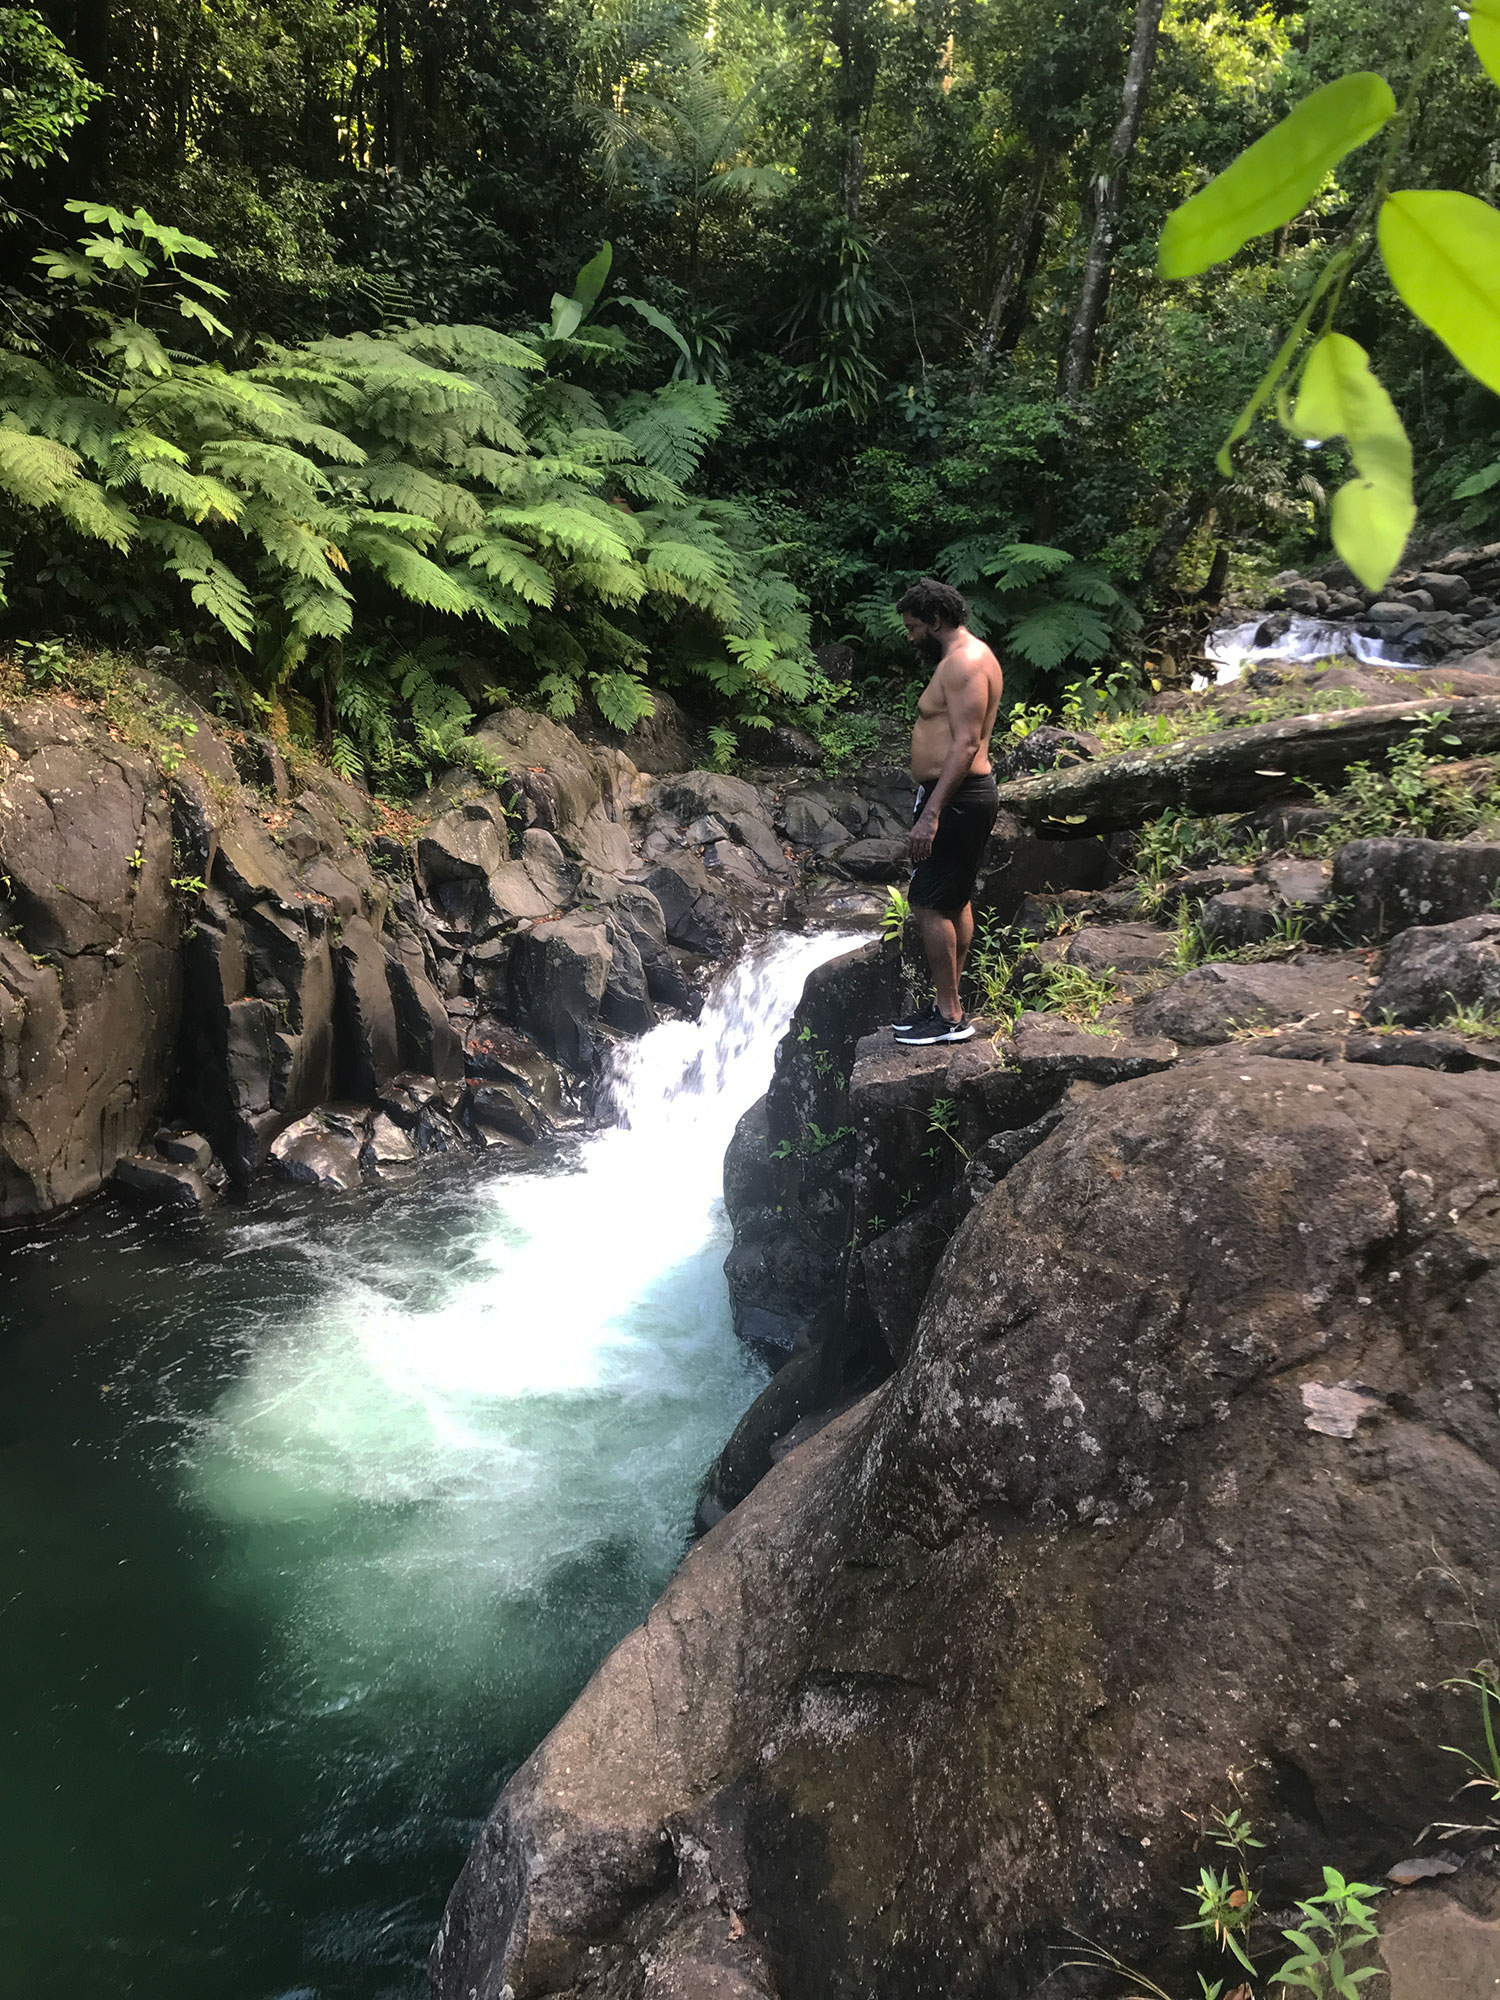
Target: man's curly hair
{"type": "Point", "coordinates": [934, 603]}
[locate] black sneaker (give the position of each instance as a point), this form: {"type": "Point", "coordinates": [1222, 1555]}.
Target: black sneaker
{"type": "Point", "coordinates": [919, 1019]}
{"type": "Point", "coordinates": [935, 1027]}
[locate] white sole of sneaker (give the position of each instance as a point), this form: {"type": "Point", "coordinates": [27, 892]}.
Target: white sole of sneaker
{"type": "Point", "coordinates": [963, 1034]}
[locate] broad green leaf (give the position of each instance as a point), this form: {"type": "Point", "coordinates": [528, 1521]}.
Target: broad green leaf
{"type": "Point", "coordinates": [662, 324]}
{"type": "Point", "coordinates": [1442, 251]}
{"type": "Point", "coordinates": [191, 309]}
{"type": "Point", "coordinates": [1477, 482]}
{"type": "Point", "coordinates": [95, 212]}
{"type": "Point", "coordinates": [1374, 514]}
{"type": "Point", "coordinates": [1371, 524]}
{"type": "Point", "coordinates": [117, 256]}
{"type": "Point", "coordinates": [60, 264]}
{"type": "Point", "coordinates": [1274, 179]}
{"type": "Point", "coordinates": [567, 316]}
{"type": "Point", "coordinates": [1484, 33]}
{"type": "Point", "coordinates": [590, 281]}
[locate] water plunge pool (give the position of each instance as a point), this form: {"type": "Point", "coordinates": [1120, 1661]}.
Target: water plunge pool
{"type": "Point", "coordinates": [317, 1515]}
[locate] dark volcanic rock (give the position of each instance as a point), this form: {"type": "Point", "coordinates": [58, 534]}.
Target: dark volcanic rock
{"type": "Point", "coordinates": [1208, 1004]}
{"type": "Point", "coordinates": [1119, 947]}
{"type": "Point", "coordinates": [163, 1183]}
{"type": "Point", "coordinates": [1429, 972]}
{"type": "Point", "coordinates": [90, 981]}
{"type": "Point", "coordinates": [1019, 864]}
{"type": "Point", "coordinates": [963, 1672]}
{"type": "Point", "coordinates": [789, 1192]}
{"type": "Point", "coordinates": [1387, 885]}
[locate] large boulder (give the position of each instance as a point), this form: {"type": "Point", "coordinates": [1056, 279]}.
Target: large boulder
{"type": "Point", "coordinates": [1432, 970]}
{"type": "Point", "coordinates": [1214, 1002]}
{"type": "Point", "coordinates": [966, 1671]}
{"type": "Point", "coordinates": [90, 983]}
{"type": "Point", "coordinates": [562, 972]}
{"type": "Point", "coordinates": [790, 1173]}
{"type": "Point", "coordinates": [1387, 885]}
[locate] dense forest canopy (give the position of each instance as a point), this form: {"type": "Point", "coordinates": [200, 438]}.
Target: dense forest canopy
{"type": "Point", "coordinates": [880, 297]}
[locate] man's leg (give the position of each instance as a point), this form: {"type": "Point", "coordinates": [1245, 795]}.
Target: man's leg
{"type": "Point", "coordinates": [963, 928]}
{"type": "Point", "coordinates": [940, 941]}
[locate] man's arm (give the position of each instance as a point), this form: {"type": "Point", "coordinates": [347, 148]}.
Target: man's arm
{"type": "Point", "coordinates": [966, 696]}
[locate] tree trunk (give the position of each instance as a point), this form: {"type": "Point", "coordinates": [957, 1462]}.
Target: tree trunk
{"type": "Point", "coordinates": [1011, 278]}
{"type": "Point", "coordinates": [854, 91]}
{"type": "Point", "coordinates": [390, 138]}
{"type": "Point", "coordinates": [1173, 539]}
{"type": "Point", "coordinates": [1218, 577]}
{"type": "Point", "coordinates": [1109, 198]}
{"type": "Point", "coordinates": [1238, 768]}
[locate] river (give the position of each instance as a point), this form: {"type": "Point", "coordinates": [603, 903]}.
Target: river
{"type": "Point", "coordinates": [315, 1515]}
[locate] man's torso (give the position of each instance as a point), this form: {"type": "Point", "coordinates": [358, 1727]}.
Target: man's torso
{"type": "Point", "coordinates": [932, 735]}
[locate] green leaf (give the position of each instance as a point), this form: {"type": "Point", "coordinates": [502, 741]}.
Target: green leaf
{"type": "Point", "coordinates": [1477, 482]}
{"type": "Point", "coordinates": [191, 309]}
{"type": "Point", "coordinates": [590, 280]}
{"type": "Point", "coordinates": [567, 317]}
{"type": "Point", "coordinates": [34, 470]}
{"type": "Point", "coordinates": [1442, 251]}
{"type": "Point", "coordinates": [95, 212]}
{"type": "Point", "coordinates": [662, 324]}
{"type": "Point", "coordinates": [1374, 514]}
{"type": "Point", "coordinates": [117, 256]}
{"type": "Point", "coordinates": [69, 264]}
{"type": "Point", "coordinates": [1484, 33]}
{"type": "Point", "coordinates": [1274, 179]}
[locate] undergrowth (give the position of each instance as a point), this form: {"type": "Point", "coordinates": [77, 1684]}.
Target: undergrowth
{"type": "Point", "coordinates": [1008, 979]}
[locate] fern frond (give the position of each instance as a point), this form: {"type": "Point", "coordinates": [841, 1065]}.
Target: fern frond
{"type": "Point", "coordinates": [195, 495]}
{"type": "Point", "coordinates": [506, 562]}
{"type": "Point", "coordinates": [276, 471]}
{"type": "Point", "coordinates": [1059, 631]}
{"type": "Point", "coordinates": [411, 491]}
{"type": "Point", "coordinates": [671, 427]}
{"type": "Point", "coordinates": [621, 699]}
{"type": "Point", "coordinates": [97, 514]}
{"type": "Point", "coordinates": [319, 608]}
{"type": "Point", "coordinates": [35, 471]}
{"type": "Point", "coordinates": [415, 576]}
{"type": "Point", "coordinates": [574, 530]}
{"type": "Point", "coordinates": [617, 583]}
{"type": "Point", "coordinates": [1019, 563]}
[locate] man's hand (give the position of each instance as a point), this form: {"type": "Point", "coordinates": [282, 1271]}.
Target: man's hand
{"type": "Point", "coordinates": [923, 835]}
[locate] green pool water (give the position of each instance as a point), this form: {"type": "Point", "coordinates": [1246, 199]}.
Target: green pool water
{"type": "Point", "coordinates": [315, 1516]}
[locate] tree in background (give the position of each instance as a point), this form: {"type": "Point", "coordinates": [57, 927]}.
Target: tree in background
{"type": "Point", "coordinates": [910, 243]}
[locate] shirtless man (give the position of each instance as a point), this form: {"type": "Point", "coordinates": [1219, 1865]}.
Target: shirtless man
{"type": "Point", "coordinates": [956, 797]}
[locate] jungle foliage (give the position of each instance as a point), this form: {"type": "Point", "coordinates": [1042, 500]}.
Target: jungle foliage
{"type": "Point", "coordinates": [884, 300]}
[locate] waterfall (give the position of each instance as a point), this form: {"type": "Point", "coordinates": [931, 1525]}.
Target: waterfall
{"type": "Point", "coordinates": [1304, 642]}
{"type": "Point", "coordinates": [448, 1421]}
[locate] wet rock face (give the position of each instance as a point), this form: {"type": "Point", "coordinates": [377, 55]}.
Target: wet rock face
{"type": "Point", "coordinates": [957, 1675]}
{"type": "Point", "coordinates": [90, 985]}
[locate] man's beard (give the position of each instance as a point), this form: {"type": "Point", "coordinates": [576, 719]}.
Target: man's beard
{"type": "Point", "coordinates": [930, 646]}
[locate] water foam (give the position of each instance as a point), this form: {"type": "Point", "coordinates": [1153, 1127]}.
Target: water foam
{"type": "Point", "coordinates": [419, 1449]}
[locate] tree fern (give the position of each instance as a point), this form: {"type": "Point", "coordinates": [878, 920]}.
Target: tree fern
{"type": "Point", "coordinates": [671, 427]}
{"type": "Point", "coordinates": [299, 504]}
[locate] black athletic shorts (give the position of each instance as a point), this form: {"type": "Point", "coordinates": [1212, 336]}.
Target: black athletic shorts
{"type": "Point", "coordinates": [945, 880]}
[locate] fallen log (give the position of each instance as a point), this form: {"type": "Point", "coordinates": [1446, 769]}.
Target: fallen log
{"type": "Point", "coordinates": [1237, 769]}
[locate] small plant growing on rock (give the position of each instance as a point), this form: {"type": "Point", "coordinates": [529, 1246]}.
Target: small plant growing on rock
{"type": "Point", "coordinates": [1227, 1901]}
{"type": "Point", "coordinates": [1484, 1680]}
{"type": "Point", "coordinates": [894, 917]}
{"type": "Point", "coordinates": [942, 1119]}
{"type": "Point", "coordinates": [1334, 1925]}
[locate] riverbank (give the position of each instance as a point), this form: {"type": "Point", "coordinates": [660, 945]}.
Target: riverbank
{"type": "Point", "coordinates": [1137, 1456]}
